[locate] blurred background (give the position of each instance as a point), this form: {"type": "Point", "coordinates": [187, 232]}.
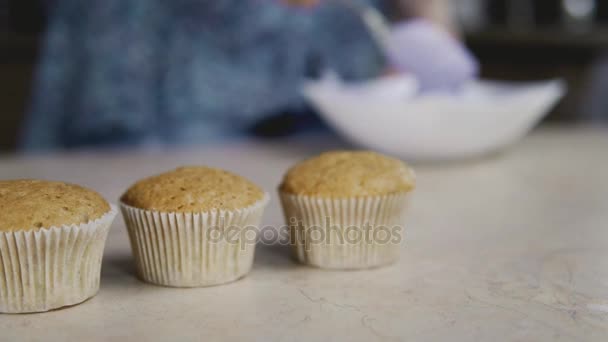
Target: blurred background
{"type": "Point", "coordinates": [512, 39]}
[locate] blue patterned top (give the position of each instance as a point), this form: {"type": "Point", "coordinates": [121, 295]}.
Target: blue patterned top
{"type": "Point", "coordinates": [182, 71]}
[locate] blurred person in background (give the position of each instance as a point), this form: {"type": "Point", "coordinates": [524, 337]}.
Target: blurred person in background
{"type": "Point", "coordinates": [137, 72]}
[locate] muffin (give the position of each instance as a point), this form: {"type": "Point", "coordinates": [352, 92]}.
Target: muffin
{"type": "Point", "coordinates": [345, 209]}
{"type": "Point", "coordinates": [194, 226]}
{"type": "Point", "coordinates": [52, 237]}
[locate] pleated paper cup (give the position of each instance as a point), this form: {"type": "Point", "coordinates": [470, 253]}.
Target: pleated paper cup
{"type": "Point", "coordinates": [193, 249]}
{"type": "Point", "coordinates": [49, 268]}
{"type": "Point", "coordinates": [348, 233]}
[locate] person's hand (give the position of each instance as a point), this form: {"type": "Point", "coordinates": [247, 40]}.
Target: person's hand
{"type": "Point", "coordinates": [301, 3]}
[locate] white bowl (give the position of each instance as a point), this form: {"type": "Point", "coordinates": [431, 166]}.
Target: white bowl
{"type": "Point", "coordinates": [389, 115]}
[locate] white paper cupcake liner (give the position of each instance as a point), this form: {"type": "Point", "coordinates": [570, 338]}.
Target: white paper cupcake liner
{"type": "Point", "coordinates": [351, 233]}
{"type": "Point", "coordinates": [193, 249]}
{"type": "Point", "coordinates": [49, 268]}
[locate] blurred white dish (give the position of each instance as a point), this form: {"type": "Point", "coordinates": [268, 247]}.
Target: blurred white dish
{"type": "Point", "coordinates": [389, 115]}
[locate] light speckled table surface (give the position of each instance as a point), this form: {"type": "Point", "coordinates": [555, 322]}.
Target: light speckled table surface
{"type": "Point", "coordinates": [513, 247]}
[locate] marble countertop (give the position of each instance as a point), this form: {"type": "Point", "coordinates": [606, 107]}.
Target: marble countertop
{"type": "Point", "coordinates": [512, 247]}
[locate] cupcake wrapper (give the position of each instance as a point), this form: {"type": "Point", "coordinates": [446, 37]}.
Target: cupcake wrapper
{"type": "Point", "coordinates": [193, 249]}
{"type": "Point", "coordinates": [49, 268]}
{"type": "Point", "coordinates": [351, 233]}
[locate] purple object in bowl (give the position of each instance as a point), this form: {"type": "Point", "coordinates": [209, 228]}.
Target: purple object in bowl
{"type": "Point", "coordinates": [437, 59]}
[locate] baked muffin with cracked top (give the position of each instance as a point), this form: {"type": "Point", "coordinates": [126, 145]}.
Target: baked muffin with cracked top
{"type": "Point", "coordinates": [188, 226]}
{"type": "Point", "coordinates": [345, 209]}
{"type": "Point", "coordinates": [54, 227]}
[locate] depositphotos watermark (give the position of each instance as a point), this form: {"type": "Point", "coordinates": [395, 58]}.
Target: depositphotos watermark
{"type": "Point", "coordinates": [297, 232]}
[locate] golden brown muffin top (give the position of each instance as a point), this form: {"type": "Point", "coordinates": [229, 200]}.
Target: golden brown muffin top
{"type": "Point", "coordinates": [349, 174]}
{"type": "Point", "coordinates": [28, 204]}
{"type": "Point", "coordinates": [193, 189]}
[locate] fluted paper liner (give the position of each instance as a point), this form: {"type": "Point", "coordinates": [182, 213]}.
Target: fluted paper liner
{"type": "Point", "coordinates": [348, 233]}
{"type": "Point", "coordinates": [188, 249]}
{"type": "Point", "coordinates": [49, 268]}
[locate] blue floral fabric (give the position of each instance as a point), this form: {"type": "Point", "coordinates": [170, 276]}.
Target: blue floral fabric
{"type": "Point", "coordinates": [182, 71]}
